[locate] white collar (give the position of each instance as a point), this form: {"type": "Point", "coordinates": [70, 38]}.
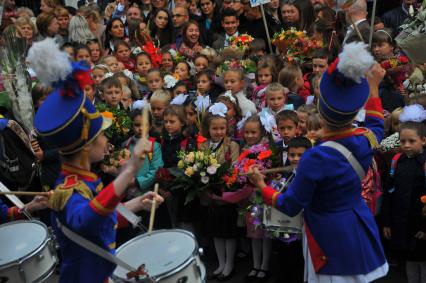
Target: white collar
{"type": "Point", "coordinates": [229, 36]}
{"type": "Point", "coordinates": [214, 145]}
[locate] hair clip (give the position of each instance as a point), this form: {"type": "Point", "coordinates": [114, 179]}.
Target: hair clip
{"type": "Point", "coordinates": [180, 99]}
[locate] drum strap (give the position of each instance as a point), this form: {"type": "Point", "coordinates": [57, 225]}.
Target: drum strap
{"type": "Point", "coordinates": [349, 157]}
{"type": "Point", "coordinates": [88, 245]}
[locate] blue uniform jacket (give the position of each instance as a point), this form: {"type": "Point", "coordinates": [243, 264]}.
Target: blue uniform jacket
{"type": "Point", "coordinates": [9, 213]}
{"type": "Point", "coordinates": [92, 217]}
{"type": "Point", "coordinates": [342, 235]}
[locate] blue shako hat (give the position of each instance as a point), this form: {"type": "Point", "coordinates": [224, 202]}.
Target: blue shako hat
{"type": "Point", "coordinates": [67, 118]}
{"type": "Point", "coordinates": [343, 88]}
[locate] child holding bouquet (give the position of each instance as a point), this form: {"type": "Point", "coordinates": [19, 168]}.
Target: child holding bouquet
{"type": "Point", "coordinates": [222, 217]}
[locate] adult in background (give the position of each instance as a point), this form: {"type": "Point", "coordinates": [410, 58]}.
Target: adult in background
{"type": "Point", "coordinates": [26, 29]}
{"type": "Point", "coordinates": [49, 6]}
{"type": "Point", "coordinates": [79, 31]}
{"type": "Point", "coordinates": [273, 17]}
{"type": "Point", "coordinates": [133, 13]}
{"type": "Point", "coordinates": [396, 17]}
{"type": "Point", "coordinates": [63, 17]}
{"type": "Point", "coordinates": [180, 16]}
{"type": "Point", "coordinates": [47, 26]}
{"type": "Point", "coordinates": [297, 14]}
{"type": "Point", "coordinates": [191, 40]}
{"type": "Point", "coordinates": [209, 22]}
{"type": "Point", "coordinates": [160, 27]}
{"type": "Point", "coordinates": [94, 21]}
{"type": "Point", "coordinates": [114, 32]}
{"type": "Point", "coordinates": [356, 16]}
{"type": "Point", "coordinates": [235, 5]}
{"type": "Point", "coordinates": [251, 22]}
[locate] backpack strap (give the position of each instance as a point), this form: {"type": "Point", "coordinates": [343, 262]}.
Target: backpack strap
{"type": "Point", "coordinates": [349, 157]}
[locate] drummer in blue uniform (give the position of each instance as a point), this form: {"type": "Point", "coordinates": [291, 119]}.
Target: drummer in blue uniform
{"type": "Point", "coordinates": [341, 239]}
{"type": "Point", "coordinates": [80, 201]}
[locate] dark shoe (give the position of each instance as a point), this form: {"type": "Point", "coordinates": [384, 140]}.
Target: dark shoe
{"type": "Point", "coordinates": [222, 277]}
{"type": "Point", "coordinates": [264, 276]}
{"type": "Point", "coordinates": [212, 276]}
{"type": "Point", "coordinates": [252, 275]}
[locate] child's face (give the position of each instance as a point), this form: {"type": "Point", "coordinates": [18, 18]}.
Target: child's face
{"type": "Point", "coordinates": [315, 134]}
{"type": "Point", "coordinates": [98, 76]}
{"type": "Point", "coordinates": [287, 129]}
{"type": "Point", "coordinates": [172, 124]}
{"type": "Point", "coordinates": [182, 71]}
{"type": "Point", "coordinates": [382, 50]}
{"type": "Point", "coordinates": [252, 133]}
{"type": "Point", "coordinates": [294, 155]}
{"type": "Point", "coordinates": [411, 143]}
{"type": "Point", "coordinates": [123, 53]}
{"type": "Point", "coordinates": [70, 52]}
{"type": "Point", "coordinates": [83, 55]}
{"type": "Point", "coordinates": [137, 126]}
{"type": "Point", "coordinates": [143, 65]}
{"type": "Point", "coordinates": [319, 65]}
{"type": "Point", "coordinates": [191, 115]}
{"type": "Point", "coordinates": [201, 63]}
{"type": "Point", "coordinates": [167, 62]}
{"type": "Point", "coordinates": [95, 52]}
{"type": "Point", "coordinates": [157, 109]}
{"type": "Point", "coordinates": [275, 100]}
{"type": "Point", "coordinates": [264, 76]}
{"type": "Point", "coordinates": [233, 82]}
{"type": "Point", "coordinates": [112, 64]}
{"type": "Point", "coordinates": [126, 100]}
{"type": "Point", "coordinates": [203, 84]}
{"type": "Point", "coordinates": [112, 96]}
{"type": "Point", "coordinates": [303, 117]}
{"type": "Point", "coordinates": [154, 81]}
{"type": "Point", "coordinates": [179, 90]}
{"type": "Point", "coordinates": [217, 129]}
{"type": "Point", "coordinates": [89, 91]}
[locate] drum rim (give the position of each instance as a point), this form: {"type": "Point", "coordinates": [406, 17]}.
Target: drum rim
{"type": "Point", "coordinates": [166, 274]}
{"type": "Point", "coordinates": [37, 250]}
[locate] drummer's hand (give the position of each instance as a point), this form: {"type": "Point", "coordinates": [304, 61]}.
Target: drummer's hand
{"type": "Point", "coordinates": [38, 203]}
{"type": "Point", "coordinates": [256, 178]}
{"type": "Point", "coordinates": [140, 152]}
{"type": "Point", "coordinates": [144, 202]}
{"type": "Point", "coordinates": [374, 77]}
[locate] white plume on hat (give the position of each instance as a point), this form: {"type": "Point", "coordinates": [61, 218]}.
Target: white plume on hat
{"type": "Point", "coordinates": [48, 62]}
{"type": "Point", "coordinates": [355, 61]}
{"type": "Point", "coordinates": [413, 113]}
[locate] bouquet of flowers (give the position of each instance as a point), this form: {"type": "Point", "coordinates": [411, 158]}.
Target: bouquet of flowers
{"type": "Point", "coordinates": [397, 69]}
{"type": "Point", "coordinates": [248, 65]}
{"type": "Point", "coordinates": [113, 162]}
{"type": "Point", "coordinates": [242, 41]}
{"type": "Point", "coordinates": [297, 45]}
{"type": "Point", "coordinates": [201, 172]}
{"type": "Point", "coordinates": [260, 155]}
{"type": "Point", "coordinates": [121, 123]}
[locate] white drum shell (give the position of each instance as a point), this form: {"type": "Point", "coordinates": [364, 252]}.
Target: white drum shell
{"type": "Point", "coordinates": [33, 267]}
{"type": "Point", "coordinates": [191, 270]}
{"type": "Point", "coordinates": [276, 221]}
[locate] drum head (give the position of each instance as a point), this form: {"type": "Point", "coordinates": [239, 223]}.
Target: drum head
{"type": "Point", "coordinates": [161, 252]}
{"type": "Point", "coordinates": [19, 239]}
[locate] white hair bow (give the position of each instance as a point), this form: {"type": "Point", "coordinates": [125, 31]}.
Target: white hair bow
{"type": "Point", "coordinates": [267, 120]}
{"type": "Point", "coordinates": [228, 94]}
{"type": "Point", "coordinates": [202, 103]}
{"type": "Point", "coordinates": [180, 99]}
{"type": "Point", "coordinates": [413, 113]}
{"type": "Point", "coordinates": [218, 109]}
{"type": "Point", "coordinates": [170, 81]}
{"type": "Point", "coordinates": [241, 123]}
{"type": "Point", "coordinates": [136, 51]}
{"type": "Point", "coordinates": [139, 104]}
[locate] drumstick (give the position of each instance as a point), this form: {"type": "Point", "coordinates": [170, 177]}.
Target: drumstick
{"type": "Point", "coordinates": [152, 215]}
{"type": "Point", "coordinates": [26, 193]}
{"type": "Point", "coordinates": [272, 170]}
{"type": "Point", "coordinates": [144, 125]}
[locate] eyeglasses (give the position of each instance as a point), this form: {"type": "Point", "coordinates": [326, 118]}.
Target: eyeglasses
{"type": "Point", "coordinates": [177, 15]}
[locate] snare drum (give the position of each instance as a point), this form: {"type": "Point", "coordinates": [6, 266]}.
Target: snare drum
{"type": "Point", "coordinates": [169, 256]}
{"type": "Point", "coordinates": [276, 221]}
{"type": "Point", "coordinates": [27, 252]}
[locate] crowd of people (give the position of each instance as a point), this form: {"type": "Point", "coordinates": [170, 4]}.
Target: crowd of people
{"type": "Point", "coordinates": [177, 59]}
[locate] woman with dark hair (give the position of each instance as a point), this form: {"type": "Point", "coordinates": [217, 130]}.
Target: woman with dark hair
{"type": "Point", "coordinates": [298, 14]}
{"type": "Point", "coordinates": [210, 22]}
{"type": "Point", "coordinates": [136, 27]}
{"type": "Point", "coordinates": [191, 40]}
{"type": "Point", "coordinates": [272, 15]}
{"type": "Point", "coordinates": [325, 30]}
{"type": "Point", "coordinates": [114, 31]}
{"type": "Point", "coordinates": [160, 27]}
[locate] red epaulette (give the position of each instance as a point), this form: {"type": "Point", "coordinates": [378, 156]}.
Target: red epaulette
{"type": "Point", "coordinates": [70, 182]}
